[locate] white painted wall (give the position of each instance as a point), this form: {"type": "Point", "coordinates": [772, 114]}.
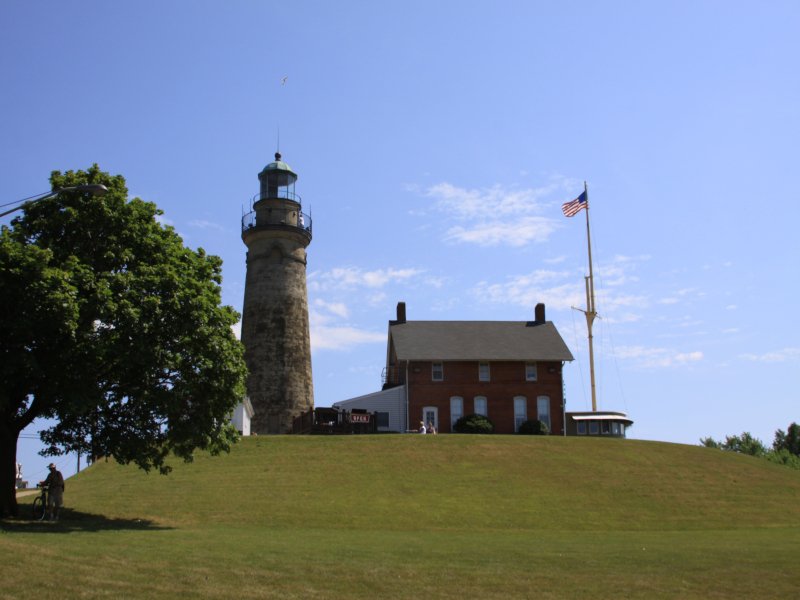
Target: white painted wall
{"type": "Point", "coordinates": [242, 415]}
{"type": "Point", "coordinates": [392, 401]}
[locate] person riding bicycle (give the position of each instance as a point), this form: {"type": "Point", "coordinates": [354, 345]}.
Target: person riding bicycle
{"type": "Point", "coordinates": [55, 491]}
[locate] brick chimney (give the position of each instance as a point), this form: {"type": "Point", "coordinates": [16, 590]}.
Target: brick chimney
{"type": "Point", "coordinates": [539, 314]}
{"type": "Point", "coordinates": [401, 312]}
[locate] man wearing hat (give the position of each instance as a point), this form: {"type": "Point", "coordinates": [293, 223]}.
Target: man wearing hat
{"type": "Point", "coordinates": [55, 491]}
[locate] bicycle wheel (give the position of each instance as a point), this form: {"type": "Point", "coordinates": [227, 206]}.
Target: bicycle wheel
{"type": "Point", "coordinates": [39, 509]}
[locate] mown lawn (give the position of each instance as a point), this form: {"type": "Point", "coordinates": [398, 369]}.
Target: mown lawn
{"type": "Point", "coordinates": [405, 516]}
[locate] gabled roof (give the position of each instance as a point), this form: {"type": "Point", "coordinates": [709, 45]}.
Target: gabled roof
{"type": "Point", "coordinates": [477, 340]}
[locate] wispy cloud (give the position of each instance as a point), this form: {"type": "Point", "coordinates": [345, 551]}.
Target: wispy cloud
{"type": "Point", "coordinates": [645, 357]}
{"type": "Point", "coordinates": [557, 289]}
{"type": "Point", "coordinates": [326, 334]}
{"type": "Point", "coordinates": [783, 355]}
{"type": "Point", "coordinates": [563, 289]}
{"type": "Point", "coordinates": [337, 308]}
{"type": "Point", "coordinates": [497, 215]}
{"type": "Point", "coordinates": [164, 220]}
{"type": "Point", "coordinates": [201, 224]}
{"type": "Point", "coordinates": [354, 277]}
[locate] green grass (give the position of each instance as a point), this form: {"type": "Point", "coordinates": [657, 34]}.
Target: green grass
{"type": "Point", "coordinates": [410, 516]}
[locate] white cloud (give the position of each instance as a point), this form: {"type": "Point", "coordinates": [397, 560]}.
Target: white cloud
{"type": "Point", "coordinates": [493, 233]}
{"type": "Point", "coordinates": [354, 277]}
{"type": "Point", "coordinates": [565, 289]}
{"type": "Point", "coordinates": [644, 357]}
{"type": "Point", "coordinates": [237, 330]}
{"type": "Point", "coordinates": [783, 355]}
{"type": "Point", "coordinates": [555, 260]}
{"type": "Point", "coordinates": [326, 335]}
{"type": "Point", "coordinates": [477, 203]}
{"type": "Point", "coordinates": [164, 220]}
{"type": "Point", "coordinates": [337, 308]}
{"type": "Point", "coordinates": [496, 215]}
{"type": "Point", "coordinates": [550, 287]}
{"type": "Point", "coordinates": [201, 224]}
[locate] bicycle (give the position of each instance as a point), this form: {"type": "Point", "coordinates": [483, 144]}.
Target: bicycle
{"type": "Point", "coordinates": [40, 504]}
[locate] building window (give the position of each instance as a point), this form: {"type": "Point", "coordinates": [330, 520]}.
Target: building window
{"type": "Point", "coordinates": [604, 428]}
{"type": "Point", "coordinates": [483, 372]}
{"type": "Point", "coordinates": [520, 411]}
{"type": "Point", "coordinates": [581, 427]}
{"type": "Point", "coordinates": [594, 428]}
{"type": "Point", "coordinates": [456, 410]}
{"type": "Point", "coordinates": [543, 410]}
{"type": "Point", "coordinates": [530, 371]}
{"type": "Point", "coordinates": [614, 428]}
{"type": "Point", "coordinates": [437, 371]}
{"type": "Point", "coordinates": [382, 419]}
{"type": "Point", "coordinates": [481, 407]}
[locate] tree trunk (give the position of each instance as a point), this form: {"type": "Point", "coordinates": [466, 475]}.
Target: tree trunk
{"type": "Point", "coordinates": [8, 470]}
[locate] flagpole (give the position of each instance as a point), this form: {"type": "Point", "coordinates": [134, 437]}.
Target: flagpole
{"type": "Point", "coordinates": [590, 311]}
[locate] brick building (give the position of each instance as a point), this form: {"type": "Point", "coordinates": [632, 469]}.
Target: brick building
{"type": "Point", "coordinates": [439, 371]}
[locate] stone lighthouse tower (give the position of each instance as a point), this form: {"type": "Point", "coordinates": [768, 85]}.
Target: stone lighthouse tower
{"type": "Point", "coordinates": [275, 315]}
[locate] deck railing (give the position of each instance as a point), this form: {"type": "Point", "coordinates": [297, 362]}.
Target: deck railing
{"type": "Point", "coordinates": [276, 217]}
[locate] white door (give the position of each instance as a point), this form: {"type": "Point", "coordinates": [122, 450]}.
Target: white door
{"type": "Point", "coordinates": [430, 414]}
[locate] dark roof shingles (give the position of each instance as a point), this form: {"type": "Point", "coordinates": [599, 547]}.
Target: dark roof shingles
{"type": "Point", "coordinates": [478, 340]}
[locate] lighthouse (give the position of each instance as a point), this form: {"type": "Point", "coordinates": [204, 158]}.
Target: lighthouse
{"type": "Point", "coordinates": [275, 330]}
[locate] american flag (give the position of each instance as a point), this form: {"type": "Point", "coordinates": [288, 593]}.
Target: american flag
{"type": "Point", "coordinates": [573, 207]}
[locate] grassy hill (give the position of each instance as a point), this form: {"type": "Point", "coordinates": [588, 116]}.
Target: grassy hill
{"type": "Point", "coordinates": [437, 516]}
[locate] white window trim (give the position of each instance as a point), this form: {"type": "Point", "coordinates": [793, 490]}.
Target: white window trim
{"type": "Point", "coordinates": [435, 411]}
{"type": "Point", "coordinates": [453, 416]}
{"type": "Point", "coordinates": [549, 421]}
{"type": "Point", "coordinates": [535, 371]}
{"type": "Point", "coordinates": [485, 403]}
{"type": "Point", "coordinates": [520, 418]}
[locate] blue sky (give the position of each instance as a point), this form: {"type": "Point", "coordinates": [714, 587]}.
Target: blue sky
{"type": "Point", "coordinates": [435, 143]}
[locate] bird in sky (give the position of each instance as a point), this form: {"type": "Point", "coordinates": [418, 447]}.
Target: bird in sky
{"type": "Point", "coordinates": [283, 80]}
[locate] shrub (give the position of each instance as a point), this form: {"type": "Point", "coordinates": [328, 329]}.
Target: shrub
{"type": "Point", "coordinates": [533, 427]}
{"type": "Point", "coordinates": [783, 457]}
{"type": "Point", "coordinates": [473, 424]}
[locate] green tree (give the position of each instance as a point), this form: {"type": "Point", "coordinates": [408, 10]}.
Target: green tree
{"type": "Point", "coordinates": [788, 440]}
{"type": "Point", "coordinates": [744, 444]}
{"type": "Point", "coordinates": [114, 329]}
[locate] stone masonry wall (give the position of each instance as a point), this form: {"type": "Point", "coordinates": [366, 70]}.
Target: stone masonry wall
{"type": "Point", "coordinates": [275, 329]}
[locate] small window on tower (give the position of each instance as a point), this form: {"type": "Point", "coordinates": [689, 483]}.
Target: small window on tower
{"type": "Point", "coordinates": [483, 372]}
{"type": "Point", "coordinates": [530, 371]}
{"type": "Point", "coordinates": [437, 371]}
